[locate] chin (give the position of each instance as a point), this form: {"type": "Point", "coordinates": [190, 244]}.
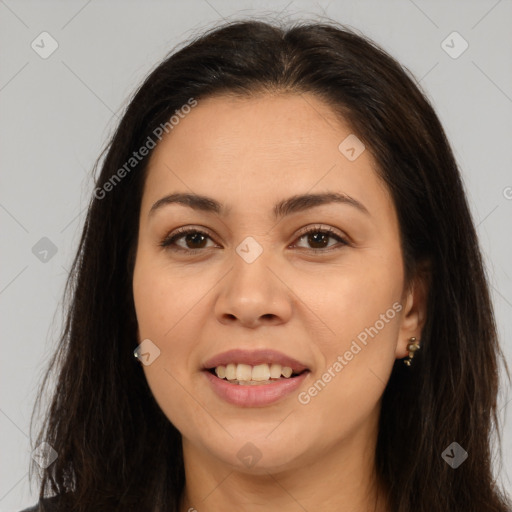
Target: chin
{"type": "Point", "coordinates": [258, 455]}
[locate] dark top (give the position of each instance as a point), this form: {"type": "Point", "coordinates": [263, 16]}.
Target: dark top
{"type": "Point", "coordinates": [49, 505]}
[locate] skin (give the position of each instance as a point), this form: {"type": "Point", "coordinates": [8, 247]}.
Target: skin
{"type": "Point", "coordinates": [248, 154]}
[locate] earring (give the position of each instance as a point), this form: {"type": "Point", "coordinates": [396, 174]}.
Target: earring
{"type": "Point", "coordinates": [412, 347]}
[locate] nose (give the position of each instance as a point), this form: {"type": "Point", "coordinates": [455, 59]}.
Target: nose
{"type": "Point", "coordinates": [253, 295]}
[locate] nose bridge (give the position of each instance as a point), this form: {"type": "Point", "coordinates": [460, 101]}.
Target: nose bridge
{"type": "Point", "coordinates": [251, 278]}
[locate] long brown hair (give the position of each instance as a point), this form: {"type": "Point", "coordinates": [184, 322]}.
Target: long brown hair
{"type": "Point", "coordinates": [117, 450]}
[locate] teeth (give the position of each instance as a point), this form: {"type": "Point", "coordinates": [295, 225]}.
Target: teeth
{"type": "Point", "coordinates": [220, 371]}
{"type": "Point", "coordinates": [243, 372]}
{"type": "Point", "coordinates": [286, 372]}
{"type": "Point", "coordinates": [260, 372]}
{"type": "Point", "coordinates": [247, 374]}
{"type": "Point", "coordinates": [275, 371]}
{"type": "Point", "coordinates": [230, 371]}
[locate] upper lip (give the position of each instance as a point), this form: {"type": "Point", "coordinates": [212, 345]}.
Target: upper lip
{"type": "Point", "coordinates": [253, 358]}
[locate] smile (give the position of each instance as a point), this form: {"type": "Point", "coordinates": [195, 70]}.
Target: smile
{"type": "Point", "coordinates": [253, 393]}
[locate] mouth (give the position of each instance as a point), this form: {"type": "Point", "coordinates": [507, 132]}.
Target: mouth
{"type": "Point", "coordinates": [256, 378]}
{"type": "Point", "coordinates": [249, 393]}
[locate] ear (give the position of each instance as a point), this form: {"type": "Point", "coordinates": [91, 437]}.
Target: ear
{"type": "Point", "coordinates": [414, 314]}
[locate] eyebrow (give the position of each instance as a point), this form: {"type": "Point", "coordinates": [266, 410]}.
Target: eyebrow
{"type": "Point", "coordinates": [294, 204]}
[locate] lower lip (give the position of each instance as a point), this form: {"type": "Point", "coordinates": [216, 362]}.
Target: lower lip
{"type": "Point", "coordinates": [257, 395]}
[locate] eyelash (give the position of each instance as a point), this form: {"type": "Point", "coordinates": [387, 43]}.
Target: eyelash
{"type": "Point", "coordinates": [167, 242]}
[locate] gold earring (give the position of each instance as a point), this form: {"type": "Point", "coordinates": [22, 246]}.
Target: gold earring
{"type": "Point", "coordinates": [412, 346]}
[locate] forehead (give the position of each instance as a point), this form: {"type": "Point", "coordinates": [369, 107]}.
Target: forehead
{"type": "Point", "coordinates": [263, 147]}
{"type": "Point", "coordinates": [238, 126]}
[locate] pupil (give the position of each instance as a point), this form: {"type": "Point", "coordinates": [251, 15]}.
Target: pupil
{"type": "Point", "coordinates": [313, 237]}
{"type": "Point", "coordinates": [193, 236]}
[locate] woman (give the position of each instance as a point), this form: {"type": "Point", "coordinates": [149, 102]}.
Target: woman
{"type": "Point", "coordinates": [278, 226]}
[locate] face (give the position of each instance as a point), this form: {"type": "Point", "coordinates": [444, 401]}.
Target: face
{"type": "Point", "coordinates": [333, 300]}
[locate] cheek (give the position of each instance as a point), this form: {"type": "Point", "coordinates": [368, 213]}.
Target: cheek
{"type": "Point", "coordinates": [161, 298]}
{"type": "Point", "coordinates": [352, 296]}
{"type": "Point", "coordinates": [158, 310]}
{"type": "Point", "coordinates": [361, 308]}
{"type": "Point", "coordinates": [161, 306]}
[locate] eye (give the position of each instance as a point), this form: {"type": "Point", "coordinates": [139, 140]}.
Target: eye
{"type": "Point", "coordinates": [319, 237]}
{"type": "Point", "coordinates": [195, 239]}
{"type": "Point", "coordinates": [193, 236]}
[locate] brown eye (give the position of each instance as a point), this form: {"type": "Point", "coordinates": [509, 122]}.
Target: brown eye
{"type": "Point", "coordinates": [194, 239]}
{"type": "Point", "coordinates": [318, 238]}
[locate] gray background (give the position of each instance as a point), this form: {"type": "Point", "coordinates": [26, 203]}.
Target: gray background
{"type": "Point", "coordinates": [56, 114]}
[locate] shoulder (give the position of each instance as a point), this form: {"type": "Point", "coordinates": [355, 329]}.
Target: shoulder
{"type": "Point", "coordinates": [46, 505]}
